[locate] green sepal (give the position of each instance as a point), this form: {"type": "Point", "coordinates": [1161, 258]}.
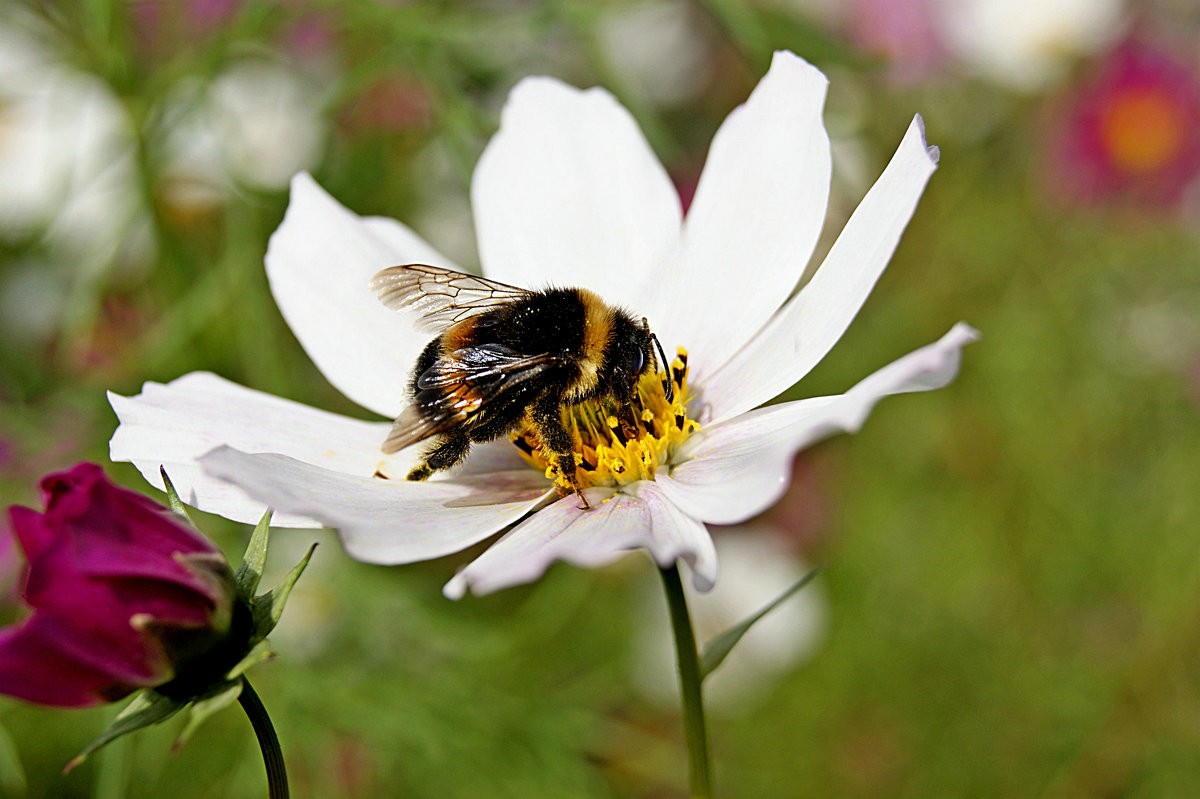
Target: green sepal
{"type": "Point", "coordinates": [267, 608]}
{"type": "Point", "coordinates": [147, 708]}
{"type": "Point", "coordinates": [173, 496]}
{"type": "Point", "coordinates": [221, 695]}
{"type": "Point", "coordinates": [216, 698]}
{"type": "Point", "coordinates": [716, 650]}
{"type": "Point", "coordinates": [260, 653]}
{"type": "Point", "coordinates": [250, 571]}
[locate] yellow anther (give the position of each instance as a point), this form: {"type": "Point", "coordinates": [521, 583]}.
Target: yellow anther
{"type": "Point", "coordinates": [610, 452]}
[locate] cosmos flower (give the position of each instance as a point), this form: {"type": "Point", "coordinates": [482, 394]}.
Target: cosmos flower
{"type": "Point", "coordinates": [1130, 132]}
{"type": "Point", "coordinates": [568, 192]}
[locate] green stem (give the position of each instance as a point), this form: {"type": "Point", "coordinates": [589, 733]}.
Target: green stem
{"type": "Point", "coordinates": [268, 741]}
{"type": "Point", "coordinates": [689, 685]}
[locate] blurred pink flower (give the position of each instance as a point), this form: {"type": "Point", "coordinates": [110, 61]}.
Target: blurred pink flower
{"type": "Point", "coordinates": [1131, 132]}
{"type": "Point", "coordinates": [903, 32]}
{"type": "Point", "coordinates": [124, 595]}
{"type": "Point", "coordinates": [395, 102]}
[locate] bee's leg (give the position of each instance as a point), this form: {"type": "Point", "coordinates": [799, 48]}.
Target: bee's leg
{"type": "Point", "coordinates": [449, 450]}
{"type": "Point", "coordinates": [547, 418]}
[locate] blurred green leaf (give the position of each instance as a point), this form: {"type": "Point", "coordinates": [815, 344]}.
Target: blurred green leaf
{"type": "Point", "coordinates": [12, 773]}
{"type": "Point", "coordinates": [716, 650]}
{"type": "Point", "coordinates": [147, 708]}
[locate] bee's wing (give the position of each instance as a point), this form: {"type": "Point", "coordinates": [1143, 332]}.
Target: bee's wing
{"type": "Point", "coordinates": [440, 297]}
{"type": "Point", "coordinates": [459, 388]}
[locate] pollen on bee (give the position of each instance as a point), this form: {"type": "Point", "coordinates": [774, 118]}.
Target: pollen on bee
{"type": "Point", "coordinates": [615, 446]}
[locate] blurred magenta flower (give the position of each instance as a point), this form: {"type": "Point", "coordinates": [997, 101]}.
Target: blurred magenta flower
{"type": "Point", "coordinates": [124, 596]}
{"type": "Point", "coordinates": [1131, 132]}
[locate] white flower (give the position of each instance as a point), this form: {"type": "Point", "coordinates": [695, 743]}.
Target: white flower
{"type": "Point", "coordinates": [1028, 43]}
{"type": "Point", "coordinates": [67, 165]}
{"type": "Point", "coordinates": [567, 192]}
{"type": "Point", "coordinates": [257, 122]}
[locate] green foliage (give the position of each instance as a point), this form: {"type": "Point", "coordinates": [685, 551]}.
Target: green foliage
{"type": "Point", "coordinates": [716, 650]}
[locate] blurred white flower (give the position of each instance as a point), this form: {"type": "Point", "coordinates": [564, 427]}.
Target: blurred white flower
{"type": "Point", "coordinates": [256, 123]}
{"type": "Point", "coordinates": [67, 167]}
{"type": "Point", "coordinates": [1026, 44]}
{"type": "Point", "coordinates": [756, 567]}
{"type": "Point", "coordinates": [568, 192]}
{"type": "Point", "coordinates": [658, 47]}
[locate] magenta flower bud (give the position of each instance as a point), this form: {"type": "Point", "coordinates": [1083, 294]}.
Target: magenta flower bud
{"type": "Point", "coordinates": [125, 595]}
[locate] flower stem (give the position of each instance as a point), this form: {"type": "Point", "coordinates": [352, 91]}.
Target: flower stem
{"type": "Point", "coordinates": [268, 741]}
{"type": "Point", "coordinates": [689, 685]}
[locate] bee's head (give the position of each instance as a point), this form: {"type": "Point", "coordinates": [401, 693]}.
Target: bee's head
{"type": "Point", "coordinates": [630, 354]}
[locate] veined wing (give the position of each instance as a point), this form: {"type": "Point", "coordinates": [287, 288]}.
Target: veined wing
{"type": "Point", "coordinates": [457, 390]}
{"type": "Point", "coordinates": [439, 297]}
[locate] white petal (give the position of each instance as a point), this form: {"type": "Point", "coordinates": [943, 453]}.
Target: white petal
{"type": "Point", "coordinates": [564, 531]}
{"type": "Point", "coordinates": [172, 425]}
{"type": "Point", "coordinates": [800, 334]}
{"type": "Point", "coordinates": [319, 263]}
{"type": "Point", "coordinates": [736, 469]}
{"type": "Point", "coordinates": [759, 208]}
{"type": "Point", "coordinates": [568, 192]}
{"type": "Point", "coordinates": [385, 521]}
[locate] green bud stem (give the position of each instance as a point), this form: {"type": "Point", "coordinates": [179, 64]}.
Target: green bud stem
{"type": "Point", "coordinates": [689, 684]}
{"type": "Point", "coordinates": [268, 741]}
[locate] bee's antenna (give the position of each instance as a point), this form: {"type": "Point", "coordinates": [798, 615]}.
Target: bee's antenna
{"type": "Point", "coordinates": [670, 386]}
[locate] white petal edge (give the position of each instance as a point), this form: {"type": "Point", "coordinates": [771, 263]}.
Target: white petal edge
{"type": "Point", "coordinates": [172, 425]}
{"type": "Point", "coordinates": [319, 262]}
{"type": "Point", "coordinates": [808, 326]}
{"type": "Point", "coordinates": [758, 211]}
{"type": "Point", "coordinates": [569, 193]}
{"type": "Point", "coordinates": [384, 521]}
{"type": "Point", "coordinates": [617, 523]}
{"type": "Point", "coordinates": [734, 470]}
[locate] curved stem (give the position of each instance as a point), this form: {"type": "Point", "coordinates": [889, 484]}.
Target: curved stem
{"type": "Point", "coordinates": [268, 741]}
{"type": "Point", "coordinates": [689, 685]}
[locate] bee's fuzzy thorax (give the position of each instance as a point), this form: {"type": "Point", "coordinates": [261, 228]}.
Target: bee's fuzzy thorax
{"type": "Point", "coordinates": [507, 357]}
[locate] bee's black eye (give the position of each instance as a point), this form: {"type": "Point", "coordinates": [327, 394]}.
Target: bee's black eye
{"type": "Point", "coordinates": [638, 361]}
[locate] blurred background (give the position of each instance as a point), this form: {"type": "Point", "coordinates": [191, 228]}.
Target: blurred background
{"type": "Point", "coordinates": [1011, 605]}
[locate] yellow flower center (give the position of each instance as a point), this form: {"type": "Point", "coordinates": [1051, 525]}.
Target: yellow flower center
{"type": "Point", "coordinates": [1142, 130]}
{"type": "Point", "coordinates": [619, 445]}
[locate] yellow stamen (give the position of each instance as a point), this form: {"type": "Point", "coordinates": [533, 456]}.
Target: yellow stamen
{"type": "Point", "coordinates": [608, 452]}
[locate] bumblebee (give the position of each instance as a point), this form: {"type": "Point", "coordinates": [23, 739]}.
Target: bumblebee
{"type": "Point", "coordinates": [504, 356]}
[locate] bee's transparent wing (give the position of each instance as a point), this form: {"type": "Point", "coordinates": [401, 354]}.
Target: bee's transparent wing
{"type": "Point", "coordinates": [439, 297]}
{"type": "Point", "coordinates": [459, 388]}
